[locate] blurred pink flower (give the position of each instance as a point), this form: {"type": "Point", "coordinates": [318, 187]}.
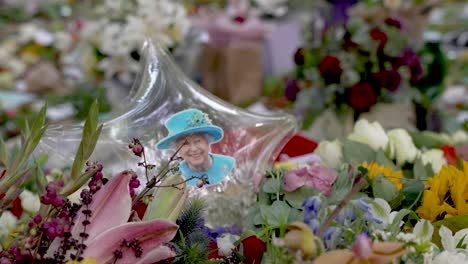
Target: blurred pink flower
{"type": "Point", "coordinates": [313, 175]}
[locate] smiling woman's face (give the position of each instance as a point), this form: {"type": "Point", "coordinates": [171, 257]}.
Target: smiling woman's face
{"type": "Point", "coordinates": [195, 151]}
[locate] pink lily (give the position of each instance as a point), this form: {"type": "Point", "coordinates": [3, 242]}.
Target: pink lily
{"type": "Point", "coordinates": [364, 251]}
{"type": "Point", "coordinates": [110, 211]}
{"type": "Point", "coordinates": [313, 175]}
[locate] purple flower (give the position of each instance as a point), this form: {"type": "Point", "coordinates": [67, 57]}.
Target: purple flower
{"type": "Point", "coordinates": [311, 207]}
{"type": "Point", "coordinates": [339, 10]}
{"type": "Point", "coordinates": [388, 79]}
{"type": "Point", "coordinates": [410, 58]}
{"type": "Point", "coordinates": [292, 89]}
{"type": "Point", "coordinates": [218, 231]}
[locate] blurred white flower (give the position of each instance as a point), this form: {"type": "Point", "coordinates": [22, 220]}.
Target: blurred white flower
{"type": "Point", "coordinates": [225, 244]}
{"type": "Point", "coordinates": [392, 4]}
{"type": "Point", "coordinates": [30, 202]}
{"type": "Point", "coordinates": [371, 134]}
{"type": "Point", "coordinates": [423, 230]}
{"type": "Point", "coordinates": [401, 146]}
{"type": "Point", "coordinates": [459, 137]}
{"type": "Point", "coordinates": [63, 40]}
{"type": "Point", "coordinates": [7, 224]}
{"type": "Point", "coordinates": [34, 31]}
{"type": "Point", "coordinates": [435, 157]}
{"type": "Point", "coordinates": [450, 257]}
{"type": "Point", "coordinates": [330, 153]}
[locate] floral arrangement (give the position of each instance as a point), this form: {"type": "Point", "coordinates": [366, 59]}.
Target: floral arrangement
{"type": "Point", "coordinates": [359, 64]}
{"type": "Point", "coordinates": [375, 196]}
{"type": "Point", "coordinates": [55, 47]}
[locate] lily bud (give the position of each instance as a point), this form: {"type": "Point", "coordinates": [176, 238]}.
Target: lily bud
{"type": "Point", "coordinates": [167, 202]}
{"type": "Point", "coordinates": [300, 237]}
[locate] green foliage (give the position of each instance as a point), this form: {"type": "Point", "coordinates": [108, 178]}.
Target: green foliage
{"type": "Point", "coordinates": [455, 224]}
{"type": "Point", "coordinates": [356, 152]}
{"type": "Point", "coordinates": [191, 243]}
{"type": "Point", "coordinates": [91, 133]}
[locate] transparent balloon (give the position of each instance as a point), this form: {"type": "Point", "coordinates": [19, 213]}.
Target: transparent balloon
{"type": "Point", "coordinates": [160, 91]}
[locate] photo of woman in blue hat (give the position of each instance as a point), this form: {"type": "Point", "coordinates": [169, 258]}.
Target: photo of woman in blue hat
{"type": "Point", "coordinates": [192, 131]}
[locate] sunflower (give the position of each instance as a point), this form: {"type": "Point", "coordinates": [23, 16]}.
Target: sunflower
{"type": "Point", "coordinates": [374, 169]}
{"type": "Point", "coordinates": [446, 194]}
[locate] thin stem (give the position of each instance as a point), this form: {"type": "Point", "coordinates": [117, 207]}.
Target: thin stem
{"type": "Point", "coordinates": [356, 188]}
{"type": "Point", "coordinates": [145, 165]}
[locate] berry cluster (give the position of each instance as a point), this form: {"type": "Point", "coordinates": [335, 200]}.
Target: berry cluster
{"type": "Point", "coordinates": [51, 197]}
{"type": "Point", "coordinates": [134, 245]}
{"type": "Point", "coordinates": [97, 180]}
{"type": "Point", "coordinates": [133, 184]}
{"type": "Point", "coordinates": [136, 147]}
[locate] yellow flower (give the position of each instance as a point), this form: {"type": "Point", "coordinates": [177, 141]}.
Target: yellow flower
{"type": "Point", "coordinates": [374, 169]}
{"type": "Point", "coordinates": [88, 260]}
{"type": "Point", "coordinates": [446, 194]}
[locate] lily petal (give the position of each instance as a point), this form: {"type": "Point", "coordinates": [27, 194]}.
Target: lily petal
{"type": "Point", "coordinates": [156, 254]}
{"type": "Point", "coordinates": [150, 235]}
{"type": "Point", "coordinates": [111, 207]}
{"type": "Point", "coordinates": [336, 256]}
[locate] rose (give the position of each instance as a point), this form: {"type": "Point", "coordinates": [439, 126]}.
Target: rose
{"type": "Point", "coordinates": [388, 79]}
{"type": "Point", "coordinates": [450, 154]}
{"type": "Point", "coordinates": [315, 176]}
{"type": "Point", "coordinates": [330, 153]}
{"type": "Point", "coordinates": [330, 69]}
{"type": "Point", "coordinates": [362, 96]}
{"type": "Point", "coordinates": [371, 134]}
{"type": "Point", "coordinates": [379, 36]}
{"type": "Point", "coordinates": [401, 146]}
{"type": "Point", "coordinates": [434, 157]}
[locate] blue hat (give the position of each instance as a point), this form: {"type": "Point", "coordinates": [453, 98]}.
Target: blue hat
{"type": "Point", "coordinates": [188, 122]}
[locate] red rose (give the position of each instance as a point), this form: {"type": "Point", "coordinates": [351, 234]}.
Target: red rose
{"type": "Point", "coordinates": [388, 79]}
{"type": "Point", "coordinates": [379, 36]}
{"type": "Point", "coordinates": [253, 249]}
{"type": "Point", "coordinates": [330, 69]}
{"type": "Point", "coordinates": [362, 96]}
{"type": "Point", "coordinates": [450, 154]}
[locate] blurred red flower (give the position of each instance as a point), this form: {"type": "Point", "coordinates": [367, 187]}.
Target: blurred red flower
{"type": "Point", "coordinates": [330, 69]}
{"type": "Point", "coordinates": [362, 96]}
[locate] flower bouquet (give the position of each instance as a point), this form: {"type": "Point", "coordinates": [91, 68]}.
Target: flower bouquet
{"type": "Point", "coordinates": [361, 64]}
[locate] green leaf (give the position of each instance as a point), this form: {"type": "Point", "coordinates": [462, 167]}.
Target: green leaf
{"type": "Point", "coordinates": [419, 171]}
{"type": "Point", "coordinates": [384, 188]}
{"type": "Point", "coordinates": [39, 121]}
{"type": "Point", "coordinates": [394, 227]}
{"type": "Point", "coordinates": [296, 198]}
{"type": "Point", "coordinates": [295, 215]}
{"type": "Point", "coordinates": [382, 159]}
{"type": "Point", "coordinates": [272, 185]}
{"type": "Point", "coordinates": [276, 214]}
{"type": "Point", "coordinates": [3, 153]}
{"type": "Point", "coordinates": [341, 187]}
{"type": "Point", "coordinates": [356, 152]}
{"type": "Point", "coordinates": [455, 224]}
{"type": "Point", "coordinates": [427, 139]}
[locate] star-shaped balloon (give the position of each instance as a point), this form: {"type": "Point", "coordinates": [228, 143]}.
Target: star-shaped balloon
{"type": "Point", "coordinates": [160, 91]}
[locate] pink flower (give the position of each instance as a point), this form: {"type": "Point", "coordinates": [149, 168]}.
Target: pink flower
{"type": "Point", "coordinates": [315, 176]}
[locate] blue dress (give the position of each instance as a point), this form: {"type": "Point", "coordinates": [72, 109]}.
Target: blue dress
{"type": "Point", "coordinates": [221, 166]}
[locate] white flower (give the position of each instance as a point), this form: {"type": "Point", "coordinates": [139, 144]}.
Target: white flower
{"type": "Point", "coordinates": [459, 137]}
{"type": "Point", "coordinates": [30, 201]}
{"type": "Point", "coordinates": [7, 224]}
{"type": "Point", "coordinates": [371, 134]}
{"type": "Point", "coordinates": [401, 146]}
{"type": "Point", "coordinates": [450, 257]}
{"type": "Point", "coordinates": [450, 242]}
{"type": "Point", "coordinates": [330, 153]}
{"type": "Point", "coordinates": [423, 230]}
{"type": "Point", "coordinates": [382, 211]}
{"type": "Point", "coordinates": [435, 157]}
{"type": "Point", "coordinates": [226, 244]}
{"type": "Point", "coordinates": [392, 4]}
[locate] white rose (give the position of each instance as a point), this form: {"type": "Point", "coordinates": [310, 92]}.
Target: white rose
{"type": "Point", "coordinates": [459, 137]}
{"type": "Point", "coordinates": [7, 224]}
{"type": "Point", "coordinates": [435, 157]}
{"type": "Point", "coordinates": [401, 146]}
{"type": "Point", "coordinates": [30, 202]}
{"type": "Point", "coordinates": [450, 257]}
{"type": "Point", "coordinates": [371, 134]}
{"type": "Point", "coordinates": [330, 153]}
